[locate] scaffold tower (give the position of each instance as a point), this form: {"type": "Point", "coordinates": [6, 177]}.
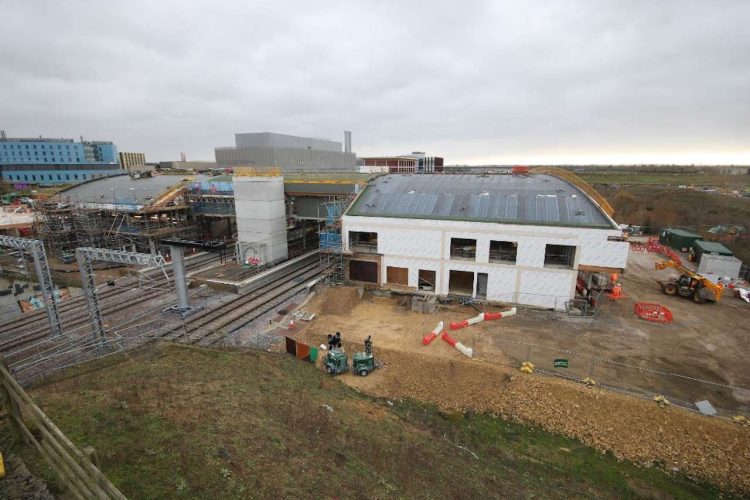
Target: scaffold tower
{"type": "Point", "coordinates": [331, 243]}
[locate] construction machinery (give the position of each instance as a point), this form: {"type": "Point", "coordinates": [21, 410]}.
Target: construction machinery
{"type": "Point", "coordinates": [689, 284]}
{"type": "Point", "coordinates": [364, 362]}
{"type": "Point", "coordinates": [336, 360]}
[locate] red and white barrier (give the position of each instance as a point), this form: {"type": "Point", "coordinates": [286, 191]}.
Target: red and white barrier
{"type": "Point", "coordinates": [433, 334]}
{"type": "Point", "coordinates": [467, 322]}
{"type": "Point", "coordinates": [468, 351]}
{"type": "Point", "coordinates": [457, 325]}
{"type": "Point", "coordinates": [499, 315]}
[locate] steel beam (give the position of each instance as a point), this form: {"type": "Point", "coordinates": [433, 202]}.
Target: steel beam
{"type": "Point", "coordinates": [86, 256]}
{"type": "Point", "coordinates": [36, 249]}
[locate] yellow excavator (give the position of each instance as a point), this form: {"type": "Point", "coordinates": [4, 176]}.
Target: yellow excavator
{"type": "Point", "coordinates": [689, 285]}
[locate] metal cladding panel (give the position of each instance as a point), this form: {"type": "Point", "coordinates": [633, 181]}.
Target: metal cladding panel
{"type": "Point", "coordinates": [108, 189]}
{"type": "Point", "coordinates": [546, 289]}
{"type": "Point", "coordinates": [273, 140]}
{"type": "Point", "coordinates": [537, 199]}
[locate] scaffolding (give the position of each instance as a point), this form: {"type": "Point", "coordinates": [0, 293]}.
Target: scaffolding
{"type": "Point", "coordinates": [54, 225]}
{"type": "Point", "coordinates": [63, 228]}
{"type": "Point", "coordinates": [331, 242]}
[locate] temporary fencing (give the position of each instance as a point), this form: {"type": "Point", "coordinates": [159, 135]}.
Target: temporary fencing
{"type": "Point", "coordinates": [654, 246]}
{"type": "Point", "coordinates": [655, 313]}
{"type": "Point", "coordinates": [640, 380]}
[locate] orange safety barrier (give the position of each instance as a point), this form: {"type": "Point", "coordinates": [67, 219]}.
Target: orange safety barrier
{"type": "Point", "coordinates": [655, 313]}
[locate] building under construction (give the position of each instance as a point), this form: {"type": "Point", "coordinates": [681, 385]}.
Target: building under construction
{"type": "Point", "coordinates": [119, 212]}
{"type": "Point", "coordinates": [134, 214]}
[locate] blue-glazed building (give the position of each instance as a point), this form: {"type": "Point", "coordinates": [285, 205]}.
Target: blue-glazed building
{"type": "Point", "coordinates": [47, 162]}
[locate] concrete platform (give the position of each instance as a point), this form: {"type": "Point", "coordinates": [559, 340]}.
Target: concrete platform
{"type": "Point", "coordinates": [236, 278]}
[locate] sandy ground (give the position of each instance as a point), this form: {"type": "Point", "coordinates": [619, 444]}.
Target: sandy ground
{"type": "Point", "coordinates": [705, 341]}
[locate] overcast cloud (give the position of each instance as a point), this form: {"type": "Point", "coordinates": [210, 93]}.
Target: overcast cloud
{"type": "Point", "coordinates": [475, 82]}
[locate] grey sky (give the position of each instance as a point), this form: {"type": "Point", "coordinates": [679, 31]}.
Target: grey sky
{"type": "Point", "coordinates": [475, 82]}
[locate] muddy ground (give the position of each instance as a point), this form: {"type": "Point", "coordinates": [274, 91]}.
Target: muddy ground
{"type": "Point", "coordinates": [704, 342]}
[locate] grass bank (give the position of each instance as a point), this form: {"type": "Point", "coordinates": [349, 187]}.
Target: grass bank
{"type": "Point", "coordinates": [176, 422]}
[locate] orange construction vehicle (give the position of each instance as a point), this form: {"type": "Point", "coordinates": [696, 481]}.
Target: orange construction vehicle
{"type": "Point", "coordinates": [689, 285]}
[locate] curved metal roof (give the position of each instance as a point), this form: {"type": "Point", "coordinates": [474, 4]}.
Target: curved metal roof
{"type": "Point", "coordinates": [510, 199]}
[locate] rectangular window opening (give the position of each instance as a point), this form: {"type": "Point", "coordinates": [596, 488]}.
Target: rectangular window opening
{"type": "Point", "coordinates": [426, 280]}
{"type": "Point", "coordinates": [463, 249]}
{"type": "Point", "coordinates": [560, 256]}
{"type": "Point", "coordinates": [482, 285]}
{"type": "Point", "coordinates": [364, 242]}
{"type": "Point", "coordinates": [503, 251]}
{"type": "Point", "coordinates": [461, 283]}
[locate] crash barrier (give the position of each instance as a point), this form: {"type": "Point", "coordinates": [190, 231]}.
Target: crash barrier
{"type": "Point", "coordinates": [301, 350]}
{"type": "Point", "coordinates": [468, 351]}
{"type": "Point", "coordinates": [77, 470]}
{"type": "Point", "coordinates": [655, 313]}
{"type": "Point", "coordinates": [427, 339]}
{"type": "Point", "coordinates": [457, 325]}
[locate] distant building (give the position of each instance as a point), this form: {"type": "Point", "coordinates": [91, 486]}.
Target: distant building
{"type": "Point", "coordinates": [193, 166]}
{"type": "Point", "coordinates": [130, 160]}
{"type": "Point", "coordinates": [418, 161]}
{"type": "Point", "coordinates": [288, 152]}
{"type": "Point", "coordinates": [47, 161]}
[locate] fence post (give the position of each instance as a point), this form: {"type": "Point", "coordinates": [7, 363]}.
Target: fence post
{"type": "Point", "coordinates": [91, 454]}
{"type": "Point", "coordinates": [591, 368]}
{"type": "Point", "coordinates": [11, 407]}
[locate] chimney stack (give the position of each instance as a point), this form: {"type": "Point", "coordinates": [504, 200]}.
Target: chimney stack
{"type": "Point", "coordinates": [347, 141]}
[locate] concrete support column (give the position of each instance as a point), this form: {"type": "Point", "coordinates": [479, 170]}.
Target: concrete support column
{"type": "Point", "coordinates": [178, 267]}
{"type": "Point", "coordinates": [152, 246]}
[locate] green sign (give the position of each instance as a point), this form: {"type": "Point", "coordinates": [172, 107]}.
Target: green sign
{"type": "Point", "coordinates": [561, 363]}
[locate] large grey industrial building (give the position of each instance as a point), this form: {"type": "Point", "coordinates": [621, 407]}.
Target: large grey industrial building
{"type": "Point", "coordinates": [288, 152]}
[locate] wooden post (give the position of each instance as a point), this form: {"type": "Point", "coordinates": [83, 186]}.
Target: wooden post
{"type": "Point", "coordinates": [90, 452]}
{"type": "Point", "coordinates": [11, 407]}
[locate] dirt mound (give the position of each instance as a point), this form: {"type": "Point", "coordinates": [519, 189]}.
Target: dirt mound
{"type": "Point", "coordinates": [631, 428]}
{"type": "Point", "coordinates": [340, 300]}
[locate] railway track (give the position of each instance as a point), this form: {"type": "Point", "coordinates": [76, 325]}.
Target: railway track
{"type": "Point", "coordinates": [210, 326]}
{"type": "Point", "coordinates": [33, 326]}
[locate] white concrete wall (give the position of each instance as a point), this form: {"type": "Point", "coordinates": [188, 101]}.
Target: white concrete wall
{"type": "Point", "coordinates": [425, 244]}
{"type": "Point", "coordinates": [261, 217]}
